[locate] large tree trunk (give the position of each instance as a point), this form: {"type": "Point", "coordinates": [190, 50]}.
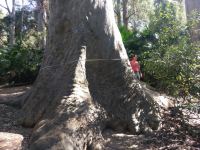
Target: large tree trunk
{"type": "Point", "coordinates": [85, 82]}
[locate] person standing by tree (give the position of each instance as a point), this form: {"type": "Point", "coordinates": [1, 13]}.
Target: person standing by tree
{"type": "Point", "coordinates": [135, 67]}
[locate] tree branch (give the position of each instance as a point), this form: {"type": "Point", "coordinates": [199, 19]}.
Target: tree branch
{"type": "Point", "coordinates": [7, 7]}
{"type": "Point", "coordinates": [3, 7]}
{"type": "Point", "coordinates": [116, 12]}
{"type": "Point", "coordinates": [130, 15]}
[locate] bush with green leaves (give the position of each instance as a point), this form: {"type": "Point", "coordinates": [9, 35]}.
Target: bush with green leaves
{"type": "Point", "coordinates": [169, 58]}
{"type": "Point", "coordinates": [136, 42]}
{"type": "Point", "coordinates": [19, 64]}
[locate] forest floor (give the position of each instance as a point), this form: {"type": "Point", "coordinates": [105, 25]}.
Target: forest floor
{"type": "Point", "coordinates": [180, 127]}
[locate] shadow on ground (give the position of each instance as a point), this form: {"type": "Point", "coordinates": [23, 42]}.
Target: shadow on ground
{"type": "Point", "coordinates": [180, 128]}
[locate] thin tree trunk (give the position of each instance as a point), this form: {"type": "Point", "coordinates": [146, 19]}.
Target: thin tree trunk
{"type": "Point", "coordinates": [41, 22]}
{"type": "Point", "coordinates": [22, 20]}
{"type": "Point", "coordinates": [85, 82]}
{"type": "Point", "coordinates": [125, 13]}
{"type": "Point", "coordinates": [118, 10]}
{"type": "Point", "coordinates": [12, 26]}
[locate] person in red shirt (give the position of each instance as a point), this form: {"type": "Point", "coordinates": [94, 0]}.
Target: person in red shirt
{"type": "Point", "coordinates": [135, 67]}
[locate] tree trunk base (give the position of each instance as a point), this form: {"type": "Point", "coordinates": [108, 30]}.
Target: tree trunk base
{"type": "Point", "coordinates": [85, 81]}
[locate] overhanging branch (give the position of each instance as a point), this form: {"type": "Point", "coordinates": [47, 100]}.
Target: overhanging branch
{"type": "Point", "coordinates": [8, 7]}
{"type": "Point", "coordinates": [130, 15]}
{"type": "Point", "coordinates": [4, 7]}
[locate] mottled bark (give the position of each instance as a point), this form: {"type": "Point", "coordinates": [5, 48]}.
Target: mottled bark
{"type": "Point", "coordinates": [85, 82]}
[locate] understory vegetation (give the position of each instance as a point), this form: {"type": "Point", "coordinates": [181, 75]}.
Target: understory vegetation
{"type": "Point", "coordinates": [20, 60]}
{"type": "Point", "coordinates": [19, 64]}
{"type": "Point", "coordinates": [168, 55]}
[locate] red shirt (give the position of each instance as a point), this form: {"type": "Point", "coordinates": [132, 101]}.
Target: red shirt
{"type": "Point", "coordinates": [135, 65]}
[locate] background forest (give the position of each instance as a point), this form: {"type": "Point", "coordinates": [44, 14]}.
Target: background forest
{"type": "Point", "coordinates": [163, 33]}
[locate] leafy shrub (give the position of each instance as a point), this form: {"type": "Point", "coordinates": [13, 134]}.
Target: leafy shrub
{"type": "Point", "coordinates": [135, 42]}
{"type": "Point", "coordinates": [19, 64]}
{"type": "Point", "coordinates": [169, 58]}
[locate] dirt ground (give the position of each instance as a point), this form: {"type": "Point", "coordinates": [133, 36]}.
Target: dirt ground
{"type": "Point", "coordinates": [180, 129]}
{"type": "Point", "coordinates": [9, 115]}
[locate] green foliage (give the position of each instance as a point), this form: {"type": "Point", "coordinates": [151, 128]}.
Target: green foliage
{"type": "Point", "coordinates": [173, 59]}
{"type": "Point", "coordinates": [127, 37]}
{"type": "Point", "coordinates": [169, 59]}
{"type": "Point", "coordinates": [20, 63]}
{"type": "Point", "coordinates": [23, 27]}
{"type": "Point", "coordinates": [135, 42]}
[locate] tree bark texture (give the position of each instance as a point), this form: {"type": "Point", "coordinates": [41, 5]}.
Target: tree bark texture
{"type": "Point", "coordinates": [85, 83]}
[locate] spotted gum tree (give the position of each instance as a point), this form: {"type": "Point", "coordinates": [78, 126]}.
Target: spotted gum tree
{"type": "Point", "coordinates": [85, 83]}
